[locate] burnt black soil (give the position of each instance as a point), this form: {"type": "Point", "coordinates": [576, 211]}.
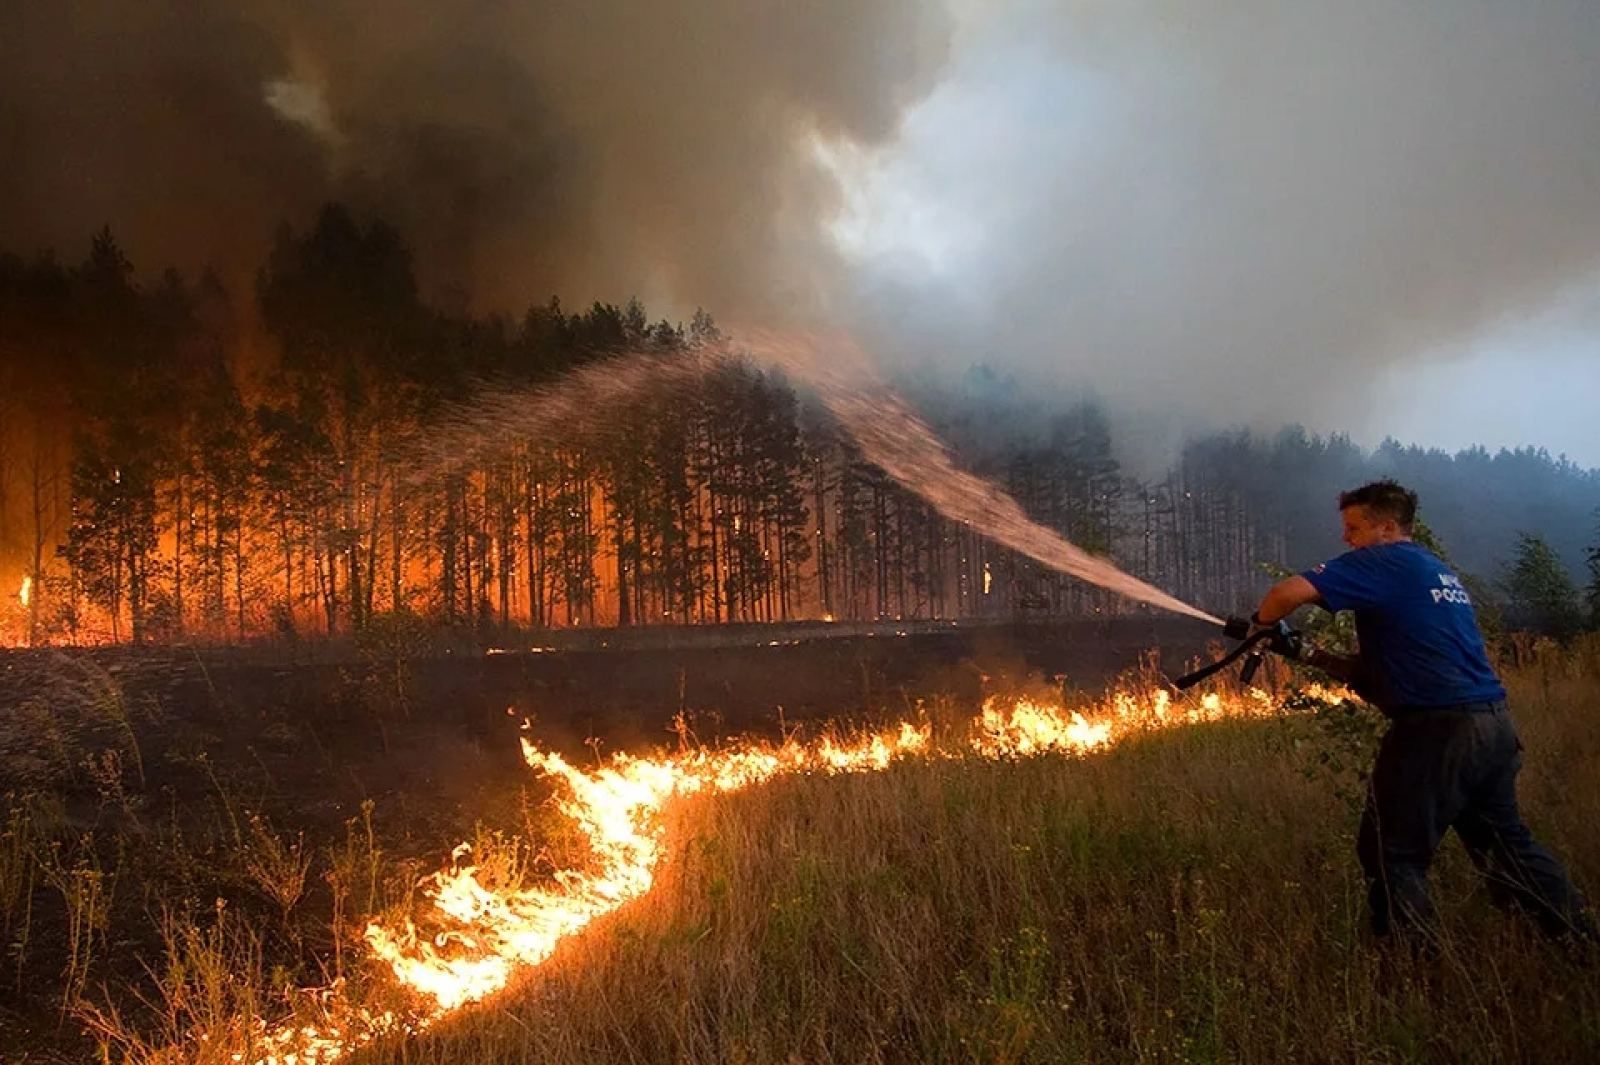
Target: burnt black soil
{"type": "Point", "coordinates": [146, 762]}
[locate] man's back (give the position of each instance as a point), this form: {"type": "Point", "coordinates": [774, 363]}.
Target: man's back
{"type": "Point", "coordinates": [1419, 637]}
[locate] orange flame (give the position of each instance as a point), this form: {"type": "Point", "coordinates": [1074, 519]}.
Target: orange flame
{"type": "Point", "coordinates": [27, 590]}
{"type": "Point", "coordinates": [618, 808]}
{"type": "Point", "coordinates": [490, 934]}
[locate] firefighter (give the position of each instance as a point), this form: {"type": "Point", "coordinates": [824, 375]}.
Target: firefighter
{"type": "Point", "coordinates": [1450, 756]}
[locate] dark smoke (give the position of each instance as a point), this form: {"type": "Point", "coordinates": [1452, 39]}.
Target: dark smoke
{"type": "Point", "coordinates": [1211, 212]}
{"type": "Point", "coordinates": [590, 148]}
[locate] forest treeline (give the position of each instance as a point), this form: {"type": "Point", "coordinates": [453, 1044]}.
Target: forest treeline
{"type": "Point", "coordinates": [178, 461]}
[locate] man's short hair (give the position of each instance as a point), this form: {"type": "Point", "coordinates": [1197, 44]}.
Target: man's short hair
{"type": "Point", "coordinates": [1385, 499]}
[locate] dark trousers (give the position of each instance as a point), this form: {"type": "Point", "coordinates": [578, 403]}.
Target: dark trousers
{"type": "Point", "coordinates": [1456, 768]}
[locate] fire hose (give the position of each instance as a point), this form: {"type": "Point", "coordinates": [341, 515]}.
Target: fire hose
{"type": "Point", "coordinates": [1278, 637]}
{"type": "Point", "coordinates": [1281, 639]}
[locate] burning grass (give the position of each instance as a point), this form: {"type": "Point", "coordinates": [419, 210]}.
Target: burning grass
{"type": "Point", "coordinates": [1051, 880]}
{"type": "Point", "coordinates": [1181, 895]}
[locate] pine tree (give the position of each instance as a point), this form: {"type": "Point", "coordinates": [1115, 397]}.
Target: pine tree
{"type": "Point", "coordinates": [1541, 596]}
{"type": "Point", "coordinates": [1592, 593]}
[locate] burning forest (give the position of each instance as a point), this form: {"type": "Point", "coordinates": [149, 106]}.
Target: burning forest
{"type": "Point", "coordinates": [178, 466]}
{"type": "Point", "coordinates": [291, 574]}
{"type": "Point", "coordinates": [700, 532]}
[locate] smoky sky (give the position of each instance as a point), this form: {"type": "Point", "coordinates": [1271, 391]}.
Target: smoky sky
{"type": "Point", "coordinates": [586, 148]}
{"type": "Point", "coordinates": [1248, 211]}
{"type": "Point", "coordinates": [1204, 212]}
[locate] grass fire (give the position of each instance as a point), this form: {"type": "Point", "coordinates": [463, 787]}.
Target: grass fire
{"type": "Point", "coordinates": [1047, 873]}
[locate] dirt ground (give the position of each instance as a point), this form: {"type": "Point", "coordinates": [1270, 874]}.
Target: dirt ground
{"type": "Point", "coordinates": [337, 725]}
{"type": "Point", "coordinates": [144, 763]}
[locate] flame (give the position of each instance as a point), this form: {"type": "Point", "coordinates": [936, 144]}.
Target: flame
{"type": "Point", "coordinates": [618, 808]}
{"type": "Point", "coordinates": [27, 590]}
{"type": "Point", "coordinates": [1031, 729]}
{"type": "Point", "coordinates": [487, 934]}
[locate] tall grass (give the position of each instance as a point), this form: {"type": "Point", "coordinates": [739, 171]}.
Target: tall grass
{"type": "Point", "coordinates": [1190, 896]}
{"type": "Point", "coordinates": [86, 891]}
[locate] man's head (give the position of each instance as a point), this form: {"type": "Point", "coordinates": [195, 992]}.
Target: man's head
{"type": "Point", "coordinates": [1378, 513]}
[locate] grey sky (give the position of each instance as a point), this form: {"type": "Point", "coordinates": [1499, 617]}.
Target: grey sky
{"type": "Point", "coordinates": [1359, 215]}
{"type": "Point", "coordinates": [1531, 381]}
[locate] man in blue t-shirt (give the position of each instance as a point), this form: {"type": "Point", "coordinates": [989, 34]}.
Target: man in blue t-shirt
{"type": "Point", "coordinates": [1451, 755]}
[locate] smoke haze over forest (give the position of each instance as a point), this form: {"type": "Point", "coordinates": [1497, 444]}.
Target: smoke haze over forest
{"type": "Point", "coordinates": [1253, 211]}
{"type": "Point", "coordinates": [587, 149]}
{"type": "Point", "coordinates": [1238, 212]}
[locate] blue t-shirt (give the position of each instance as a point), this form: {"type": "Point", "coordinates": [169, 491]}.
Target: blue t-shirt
{"type": "Point", "coordinates": [1418, 634]}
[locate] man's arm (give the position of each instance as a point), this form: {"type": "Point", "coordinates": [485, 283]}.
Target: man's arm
{"type": "Point", "coordinates": [1285, 597]}
{"type": "Point", "coordinates": [1289, 595]}
{"type": "Point", "coordinates": [1346, 669]}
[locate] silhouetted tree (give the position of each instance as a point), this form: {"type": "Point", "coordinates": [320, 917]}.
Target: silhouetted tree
{"type": "Point", "coordinates": [113, 536]}
{"type": "Point", "coordinates": [341, 301]}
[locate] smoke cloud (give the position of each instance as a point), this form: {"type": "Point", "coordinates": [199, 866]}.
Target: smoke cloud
{"type": "Point", "coordinates": [591, 148]}
{"type": "Point", "coordinates": [1236, 211]}
{"type": "Point", "coordinates": [1241, 210]}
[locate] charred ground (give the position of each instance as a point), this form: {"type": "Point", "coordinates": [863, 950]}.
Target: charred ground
{"type": "Point", "coordinates": [143, 782]}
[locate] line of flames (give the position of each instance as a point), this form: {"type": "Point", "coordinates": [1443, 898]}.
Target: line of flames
{"type": "Point", "coordinates": [492, 934]}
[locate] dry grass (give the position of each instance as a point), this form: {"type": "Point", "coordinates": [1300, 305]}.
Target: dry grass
{"type": "Point", "coordinates": [1188, 897]}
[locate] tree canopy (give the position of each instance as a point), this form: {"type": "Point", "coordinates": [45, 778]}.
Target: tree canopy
{"type": "Point", "coordinates": [176, 463]}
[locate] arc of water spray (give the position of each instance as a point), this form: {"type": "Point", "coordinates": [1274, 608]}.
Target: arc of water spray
{"type": "Point", "coordinates": [891, 436]}
{"type": "Point", "coordinates": [903, 446]}
{"type": "Point", "coordinates": [585, 405]}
